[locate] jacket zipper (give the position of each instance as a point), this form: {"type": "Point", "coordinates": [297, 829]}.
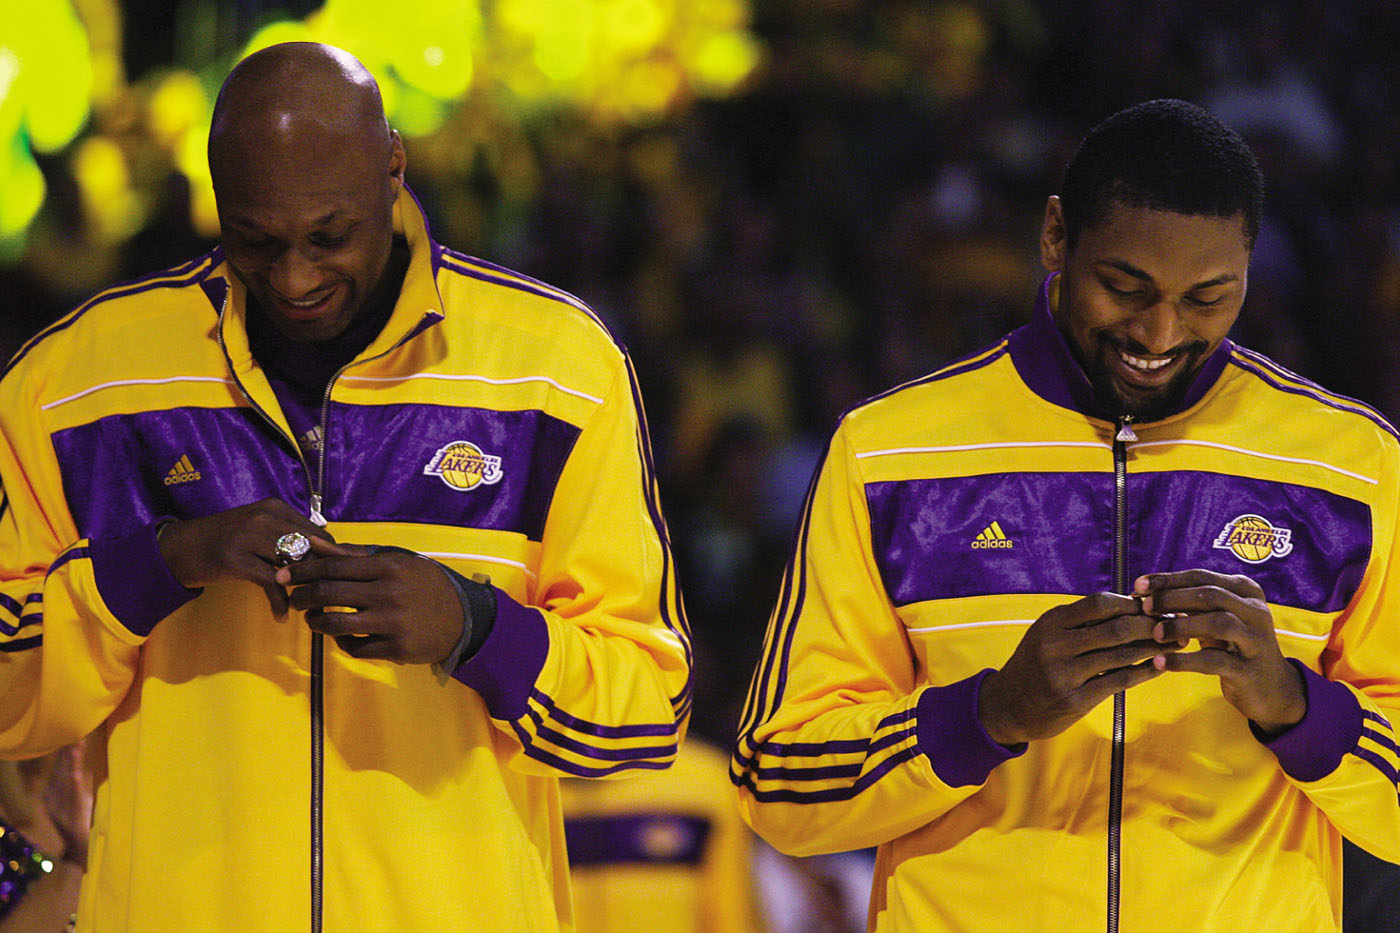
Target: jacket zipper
{"type": "Point", "coordinates": [1123, 435]}
{"type": "Point", "coordinates": [316, 488]}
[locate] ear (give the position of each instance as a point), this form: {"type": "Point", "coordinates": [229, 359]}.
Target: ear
{"type": "Point", "coordinates": [1054, 246]}
{"type": "Point", "coordinates": [398, 161]}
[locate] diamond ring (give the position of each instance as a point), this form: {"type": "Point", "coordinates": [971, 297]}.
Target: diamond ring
{"type": "Point", "coordinates": [291, 547]}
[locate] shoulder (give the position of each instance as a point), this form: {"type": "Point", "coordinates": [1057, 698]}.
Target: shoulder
{"type": "Point", "coordinates": [149, 318]}
{"type": "Point", "coordinates": [1288, 400]}
{"type": "Point", "coordinates": [534, 324]}
{"type": "Point", "coordinates": [936, 404]}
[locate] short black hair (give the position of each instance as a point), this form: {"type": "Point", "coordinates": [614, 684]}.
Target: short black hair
{"type": "Point", "coordinates": [1164, 155]}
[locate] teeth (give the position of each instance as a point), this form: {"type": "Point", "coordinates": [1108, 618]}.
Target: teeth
{"type": "Point", "coordinates": [1144, 365]}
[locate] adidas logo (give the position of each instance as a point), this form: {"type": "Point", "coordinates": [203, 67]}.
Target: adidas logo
{"type": "Point", "coordinates": [182, 472]}
{"type": "Point", "coordinates": [992, 537]}
{"type": "Point", "coordinates": [311, 440]}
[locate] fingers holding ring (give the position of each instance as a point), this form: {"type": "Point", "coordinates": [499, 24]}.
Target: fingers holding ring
{"type": "Point", "coordinates": [291, 547]}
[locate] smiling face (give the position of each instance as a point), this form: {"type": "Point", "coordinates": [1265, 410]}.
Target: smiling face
{"type": "Point", "coordinates": [1145, 296]}
{"type": "Point", "coordinates": [306, 173]}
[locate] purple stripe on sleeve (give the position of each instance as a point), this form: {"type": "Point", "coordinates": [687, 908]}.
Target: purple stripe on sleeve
{"type": "Point", "coordinates": [786, 795]}
{"type": "Point", "coordinates": [446, 465]}
{"type": "Point", "coordinates": [1384, 741]}
{"type": "Point", "coordinates": [73, 553]}
{"type": "Point", "coordinates": [1375, 717]}
{"type": "Point", "coordinates": [24, 644]}
{"type": "Point", "coordinates": [1379, 763]}
{"type": "Point", "coordinates": [951, 735]}
{"type": "Point", "coordinates": [568, 767]}
{"type": "Point", "coordinates": [505, 668]}
{"type": "Point", "coordinates": [34, 618]}
{"type": "Point", "coordinates": [1315, 746]}
{"type": "Point", "coordinates": [593, 751]}
{"type": "Point", "coordinates": [601, 731]}
{"type": "Point", "coordinates": [931, 542]}
{"type": "Point", "coordinates": [641, 838]}
{"type": "Point", "coordinates": [12, 606]}
{"type": "Point", "coordinates": [134, 581]}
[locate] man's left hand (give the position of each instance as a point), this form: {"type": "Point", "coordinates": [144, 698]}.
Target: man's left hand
{"type": "Point", "coordinates": [404, 608]}
{"type": "Point", "coordinates": [1230, 619]}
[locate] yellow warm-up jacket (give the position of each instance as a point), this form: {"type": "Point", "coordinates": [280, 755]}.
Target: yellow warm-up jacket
{"type": "Point", "coordinates": [492, 426]}
{"type": "Point", "coordinates": [948, 515]}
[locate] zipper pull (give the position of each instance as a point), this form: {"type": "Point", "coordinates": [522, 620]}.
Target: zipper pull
{"type": "Point", "coordinates": [317, 518]}
{"type": "Point", "coordinates": [1125, 430]}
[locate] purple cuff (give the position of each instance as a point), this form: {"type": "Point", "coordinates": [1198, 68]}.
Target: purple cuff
{"type": "Point", "coordinates": [951, 734]}
{"type": "Point", "coordinates": [506, 666]}
{"type": "Point", "coordinates": [134, 580]}
{"type": "Point", "coordinates": [1313, 748]}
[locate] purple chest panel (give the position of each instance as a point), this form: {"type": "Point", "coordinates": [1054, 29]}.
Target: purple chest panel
{"type": "Point", "coordinates": [125, 470]}
{"type": "Point", "coordinates": [999, 533]}
{"type": "Point", "coordinates": [402, 463]}
{"type": "Point", "coordinates": [445, 465]}
{"type": "Point", "coordinates": [1053, 533]}
{"type": "Point", "coordinates": [1306, 547]}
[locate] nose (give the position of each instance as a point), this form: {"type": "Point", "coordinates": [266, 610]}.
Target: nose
{"type": "Point", "coordinates": [1158, 328]}
{"type": "Point", "coordinates": [294, 275]}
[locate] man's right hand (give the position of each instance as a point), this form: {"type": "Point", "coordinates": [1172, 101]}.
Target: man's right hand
{"type": "Point", "coordinates": [1070, 660]}
{"type": "Point", "coordinates": [235, 544]}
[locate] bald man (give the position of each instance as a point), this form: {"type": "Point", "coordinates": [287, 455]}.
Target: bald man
{"type": "Point", "coordinates": [345, 543]}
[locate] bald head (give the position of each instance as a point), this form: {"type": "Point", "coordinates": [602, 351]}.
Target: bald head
{"type": "Point", "coordinates": [306, 173]}
{"type": "Point", "coordinates": [283, 93]}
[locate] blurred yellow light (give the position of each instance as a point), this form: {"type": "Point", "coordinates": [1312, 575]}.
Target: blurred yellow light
{"type": "Point", "coordinates": [99, 168]}
{"type": "Point", "coordinates": [634, 27]}
{"type": "Point", "coordinates": [723, 60]}
{"type": "Point", "coordinates": [564, 43]}
{"type": "Point", "coordinates": [273, 33]}
{"type": "Point", "coordinates": [54, 80]}
{"type": "Point", "coordinates": [178, 103]}
{"type": "Point", "coordinates": [650, 86]}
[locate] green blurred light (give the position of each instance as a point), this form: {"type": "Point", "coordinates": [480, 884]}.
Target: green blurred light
{"type": "Point", "coordinates": [23, 190]}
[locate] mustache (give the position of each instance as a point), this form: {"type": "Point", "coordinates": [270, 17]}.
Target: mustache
{"type": "Point", "coordinates": [1134, 348]}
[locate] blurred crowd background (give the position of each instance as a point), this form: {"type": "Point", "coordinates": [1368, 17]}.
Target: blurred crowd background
{"type": "Point", "coordinates": [779, 206]}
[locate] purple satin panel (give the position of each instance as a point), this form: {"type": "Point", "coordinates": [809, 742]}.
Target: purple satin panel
{"type": "Point", "coordinates": [636, 838]}
{"type": "Point", "coordinates": [1176, 519]}
{"type": "Point", "coordinates": [930, 535]}
{"type": "Point", "coordinates": [1058, 528]}
{"type": "Point", "coordinates": [125, 471]}
{"type": "Point", "coordinates": [377, 455]}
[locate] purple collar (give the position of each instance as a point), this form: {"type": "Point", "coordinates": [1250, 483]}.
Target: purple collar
{"type": "Point", "coordinates": [1046, 364]}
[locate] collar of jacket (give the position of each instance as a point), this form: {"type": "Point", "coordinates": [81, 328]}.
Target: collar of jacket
{"type": "Point", "coordinates": [1046, 364]}
{"type": "Point", "coordinates": [419, 305]}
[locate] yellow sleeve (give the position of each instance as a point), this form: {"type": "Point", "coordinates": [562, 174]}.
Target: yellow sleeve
{"type": "Point", "coordinates": [594, 679]}
{"type": "Point", "coordinates": [66, 659]}
{"type": "Point", "coordinates": [1343, 754]}
{"type": "Point", "coordinates": [839, 748]}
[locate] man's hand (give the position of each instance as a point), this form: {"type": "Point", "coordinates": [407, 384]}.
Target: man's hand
{"type": "Point", "coordinates": [387, 605]}
{"type": "Point", "coordinates": [235, 544]}
{"type": "Point", "coordinates": [1227, 615]}
{"type": "Point", "coordinates": [1069, 660]}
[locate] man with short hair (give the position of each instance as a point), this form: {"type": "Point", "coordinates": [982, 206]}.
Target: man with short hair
{"type": "Point", "coordinates": [1184, 747]}
{"type": "Point", "coordinates": [347, 545]}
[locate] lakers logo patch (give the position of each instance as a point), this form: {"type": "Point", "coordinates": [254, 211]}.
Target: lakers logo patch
{"type": "Point", "coordinates": [1254, 539]}
{"type": "Point", "coordinates": [463, 466]}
